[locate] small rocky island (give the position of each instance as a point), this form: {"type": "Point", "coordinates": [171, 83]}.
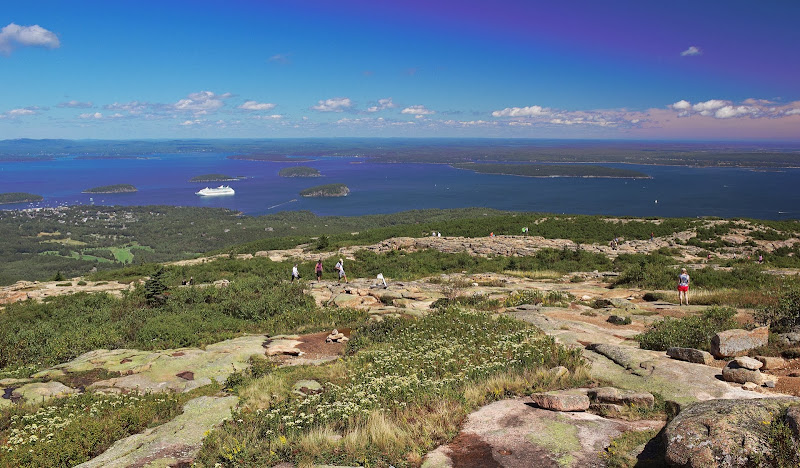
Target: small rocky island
{"type": "Point", "coordinates": [329, 190]}
{"type": "Point", "coordinates": [299, 171]}
{"type": "Point", "coordinates": [19, 197]}
{"type": "Point", "coordinates": [117, 188]}
{"type": "Point", "coordinates": [215, 178]}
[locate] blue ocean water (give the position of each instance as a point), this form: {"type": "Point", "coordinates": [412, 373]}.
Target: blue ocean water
{"type": "Point", "coordinates": [388, 188]}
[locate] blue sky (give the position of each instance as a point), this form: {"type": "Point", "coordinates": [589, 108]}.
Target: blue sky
{"type": "Point", "coordinates": [468, 68]}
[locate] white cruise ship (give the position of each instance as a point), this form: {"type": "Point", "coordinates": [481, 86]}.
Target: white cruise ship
{"type": "Point", "coordinates": [221, 190]}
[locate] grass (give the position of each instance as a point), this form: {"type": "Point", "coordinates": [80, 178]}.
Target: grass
{"type": "Point", "coordinates": [404, 391]}
{"type": "Point", "coordinates": [618, 453]}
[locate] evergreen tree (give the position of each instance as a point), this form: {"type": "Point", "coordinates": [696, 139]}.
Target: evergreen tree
{"type": "Point", "coordinates": [154, 288]}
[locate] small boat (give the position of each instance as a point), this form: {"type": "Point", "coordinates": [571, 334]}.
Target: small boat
{"type": "Point", "coordinates": [221, 190]}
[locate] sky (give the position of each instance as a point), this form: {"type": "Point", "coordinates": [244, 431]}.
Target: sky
{"type": "Point", "coordinates": [644, 70]}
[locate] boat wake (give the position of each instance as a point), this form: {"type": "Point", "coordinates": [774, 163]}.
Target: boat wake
{"type": "Point", "coordinates": [280, 204]}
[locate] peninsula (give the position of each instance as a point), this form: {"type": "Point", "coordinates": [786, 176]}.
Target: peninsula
{"type": "Point", "coordinates": [19, 197]}
{"type": "Point", "coordinates": [299, 171]}
{"type": "Point", "coordinates": [215, 178]}
{"type": "Point", "coordinates": [329, 190]}
{"type": "Point", "coordinates": [552, 170]}
{"type": "Point", "coordinates": [118, 188]}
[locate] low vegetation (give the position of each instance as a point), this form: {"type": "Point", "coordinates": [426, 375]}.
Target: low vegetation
{"type": "Point", "coordinates": [404, 392]}
{"type": "Point", "coordinates": [71, 430]}
{"type": "Point", "coordinates": [694, 331]}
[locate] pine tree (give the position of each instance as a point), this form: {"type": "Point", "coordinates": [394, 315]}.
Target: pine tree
{"type": "Point", "coordinates": [154, 288]}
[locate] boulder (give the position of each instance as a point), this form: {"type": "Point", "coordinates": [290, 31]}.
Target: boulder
{"type": "Point", "coordinates": [721, 433]}
{"type": "Point", "coordinates": [561, 401]}
{"type": "Point", "coordinates": [771, 363]}
{"type": "Point", "coordinates": [793, 420]}
{"type": "Point", "coordinates": [690, 355]}
{"type": "Point", "coordinates": [618, 320]}
{"type": "Point", "coordinates": [621, 397]}
{"type": "Point", "coordinates": [41, 391]}
{"type": "Point", "coordinates": [748, 363]}
{"type": "Point", "coordinates": [624, 304]}
{"type": "Point", "coordinates": [734, 373]}
{"type": "Point", "coordinates": [789, 339]}
{"type": "Point", "coordinates": [738, 342]}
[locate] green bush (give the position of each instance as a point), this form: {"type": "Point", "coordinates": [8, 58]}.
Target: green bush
{"type": "Point", "coordinates": [689, 332]}
{"type": "Point", "coordinates": [785, 315]}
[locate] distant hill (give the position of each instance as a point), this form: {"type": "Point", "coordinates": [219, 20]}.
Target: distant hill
{"type": "Point", "coordinates": [19, 197]}
{"type": "Point", "coordinates": [552, 170]}
{"type": "Point", "coordinates": [329, 190]}
{"type": "Point", "coordinates": [299, 171]}
{"type": "Point", "coordinates": [118, 188]}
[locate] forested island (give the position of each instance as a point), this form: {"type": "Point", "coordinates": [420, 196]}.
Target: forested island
{"type": "Point", "coordinates": [215, 178]}
{"type": "Point", "coordinates": [552, 170]}
{"type": "Point", "coordinates": [19, 197]}
{"type": "Point", "coordinates": [329, 190]}
{"type": "Point", "coordinates": [299, 171]}
{"type": "Point", "coordinates": [117, 188]}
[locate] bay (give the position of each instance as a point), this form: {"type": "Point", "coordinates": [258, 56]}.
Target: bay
{"type": "Point", "coordinates": [387, 188]}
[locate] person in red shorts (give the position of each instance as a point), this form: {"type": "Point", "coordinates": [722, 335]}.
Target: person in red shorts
{"type": "Point", "coordinates": [683, 287]}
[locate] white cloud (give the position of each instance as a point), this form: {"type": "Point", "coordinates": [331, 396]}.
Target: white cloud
{"type": "Point", "coordinates": [706, 107]}
{"type": "Point", "coordinates": [531, 111]}
{"type": "Point", "coordinates": [417, 110]}
{"type": "Point", "coordinates": [76, 104]}
{"type": "Point", "coordinates": [682, 105]}
{"type": "Point", "coordinates": [20, 112]}
{"type": "Point", "coordinates": [257, 106]}
{"type": "Point", "coordinates": [793, 111]}
{"type": "Point", "coordinates": [201, 103]}
{"type": "Point", "coordinates": [190, 123]}
{"type": "Point", "coordinates": [89, 115]}
{"type": "Point", "coordinates": [14, 35]}
{"type": "Point", "coordinates": [268, 117]}
{"type": "Point", "coordinates": [691, 51]}
{"type": "Point", "coordinates": [134, 107]}
{"type": "Point", "coordinates": [337, 104]}
{"type": "Point", "coordinates": [382, 104]}
{"type": "Point", "coordinates": [734, 111]}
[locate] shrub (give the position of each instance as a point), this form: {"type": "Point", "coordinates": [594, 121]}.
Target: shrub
{"type": "Point", "coordinates": [689, 332]}
{"type": "Point", "coordinates": [785, 315]}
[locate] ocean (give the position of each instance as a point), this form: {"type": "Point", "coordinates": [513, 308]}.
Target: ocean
{"type": "Point", "coordinates": [386, 188]}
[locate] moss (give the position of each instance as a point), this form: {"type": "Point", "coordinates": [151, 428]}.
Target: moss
{"type": "Point", "coordinates": [560, 439]}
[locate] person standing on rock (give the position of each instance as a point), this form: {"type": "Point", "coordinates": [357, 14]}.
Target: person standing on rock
{"type": "Point", "coordinates": [318, 269]}
{"type": "Point", "coordinates": [683, 287]}
{"type": "Point", "coordinates": [295, 273]}
{"type": "Point", "coordinates": [340, 268]}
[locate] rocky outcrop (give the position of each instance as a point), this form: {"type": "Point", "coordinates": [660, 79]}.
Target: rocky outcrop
{"type": "Point", "coordinates": [737, 342]}
{"type": "Point", "coordinates": [509, 433]}
{"type": "Point", "coordinates": [721, 433]}
{"type": "Point", "coordinates": [174, 443]}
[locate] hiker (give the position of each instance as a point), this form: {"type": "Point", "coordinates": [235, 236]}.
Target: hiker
{"type": "Point", "coordinates": [760, 259]}
{"type": "Point", "coordinates": [318, 269]}
{"type": "Point", "coordinates": [683, 287]}
{"type": "Point", "coordinates": [340, 268]}
{"type": "Point", "coordinates": [295, 273]}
